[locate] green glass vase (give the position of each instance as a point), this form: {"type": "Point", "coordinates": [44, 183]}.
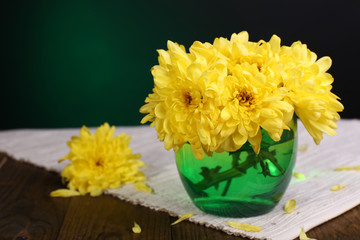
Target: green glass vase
{"type": "Point", "coordinates": [241, 183]}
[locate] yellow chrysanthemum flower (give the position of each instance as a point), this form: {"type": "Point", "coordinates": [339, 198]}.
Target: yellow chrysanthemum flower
{"type": "Point", "coordinates": [185, 104]}
{"type": "Point", "coordinates": [310, 89]}
{"type": "Point", "coordinates": [99, 161]}
{"type": "Point", "coordinates": [253, 98]}
{"type": "Point", "coordinates": [219, 96]}
{"type": "Point", "coordinates": [252, 103]}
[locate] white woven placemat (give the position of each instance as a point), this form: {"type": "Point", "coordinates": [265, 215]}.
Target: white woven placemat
{"type": "Point", "coordinates": [315, 202]}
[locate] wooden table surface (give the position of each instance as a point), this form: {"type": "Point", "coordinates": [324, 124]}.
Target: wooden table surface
{"type": "Point", "coordinates": [27, 212]}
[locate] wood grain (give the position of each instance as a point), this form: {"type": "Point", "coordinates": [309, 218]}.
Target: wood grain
{"type": "Point", "coordinates": [27, 212]}
{"type": "Point", "coordinates": [346, 226]}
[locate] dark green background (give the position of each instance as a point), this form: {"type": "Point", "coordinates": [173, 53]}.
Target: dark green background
{"type": "Point", "coordinates": [74, 63]}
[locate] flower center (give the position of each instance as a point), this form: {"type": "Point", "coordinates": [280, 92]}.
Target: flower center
{"type": "Point", "coordinates": [187, 98]}
{"type": "Point", "coordinates": [244, 98]}
{"type": "Point", "coordinates": [99, 162]}
{"type": "Point", "coordinates": [258, 65]}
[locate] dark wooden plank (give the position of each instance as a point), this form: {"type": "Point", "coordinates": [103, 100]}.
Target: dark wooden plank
{"type": "Point", "coordinates": [106, 217]}
{"type": "Point", "coordinates": [346, 226]}
{"type": "Point", "coordinates": [26, 209]}
{"type": "Point", "coordinates": [188, 230]}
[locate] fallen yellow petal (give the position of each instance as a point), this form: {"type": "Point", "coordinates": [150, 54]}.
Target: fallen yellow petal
{"type": "Point", "coordinates": [244, 226]}
{"type": "Point", "coordinates": [183, 217]}
{"type": "Point", "coordinates": [290, 206]}
{"type": "Point", "coordinates": [136, 228]}
{"type": "Point", "coordinates": [299, 176]}
{"type": "Point", "coordinates": [64, 193]}
{"type": "Point", "coordinates": [303, 148]}
{"type": "Point", "coordinates": [140, 186]}
{"type": "Point", "coordinates": [303, 236]}
{"type": "Point", "coordinates": [348, 168]}
{"type": "Point", "coordinates": [337, 187]}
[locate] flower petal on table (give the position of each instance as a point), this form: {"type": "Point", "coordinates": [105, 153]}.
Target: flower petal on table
{"type": "Point", "coordinates": [64, 193]}
{"type": "Point", "coordinates": [140, 186]}
{"type": "Point", "coordinates": [244, 226]}
{"type": "Point", "coordinates": [337, 187]}
{"type": "Point", "coordinates": [303, 236]}
{"type": "Point", "coordinates": [290, 206]}
{"type": "Point", "coordinates": [183, 217]}
{"type": "Point", "coordinates": [348, 168]}
{"type": "Point", "coordinates": [136, 228]}
{"type": "Point", "coordinates": [299, 176]}
{"type": "Point", "coordinates": [303, 147]}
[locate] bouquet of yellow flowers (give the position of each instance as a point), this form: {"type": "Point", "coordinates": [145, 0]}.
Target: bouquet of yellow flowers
{"type": "Point", "coordinates": [219, 96]}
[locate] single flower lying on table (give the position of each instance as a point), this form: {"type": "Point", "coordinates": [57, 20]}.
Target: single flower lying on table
{"type": "Point", "coordinates": [99, 161]}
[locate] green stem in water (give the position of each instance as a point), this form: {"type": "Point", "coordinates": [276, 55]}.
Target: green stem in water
{"type": "Point", "coordinates": [238, 170]}
{"type": "Point", "coordinates": [228, 183]}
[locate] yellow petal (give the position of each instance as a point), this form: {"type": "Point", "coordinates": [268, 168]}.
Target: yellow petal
{"type": "Point", "coordinates": [324, 63]}
{"type": "Point", "coordinates": [244, 226]}
{"type": "Point", "coordinates": [183, 217]}
{"type": "Point", "coordinates": [303, 147]}
{"type": "Point", "coordinates": [140, 186]}
{"type": "Point", "coordinates": [136, 228]}
{"type": "Point", "coordinates": [64, 193]}
{"type": "Point", "coordinates": [299, 176]}
{"type": "Point", "coordinates": [225, 114]}
{"type": "Point", "coordinates": [303, 236]}
{"type": "Point", "coordinates": [337, 187]}
{"type": "Point", "coordinates": [160, 111]}
{"type": "Point", "coordinates": [347, 168]}
{"type": "Point", "coordinates": [275, 43]}
{"type": "Point", "coordinates": [290, 206]}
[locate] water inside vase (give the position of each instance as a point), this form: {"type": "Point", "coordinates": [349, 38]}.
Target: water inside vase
{"type": "Point", "coordinates": [239, 184]}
